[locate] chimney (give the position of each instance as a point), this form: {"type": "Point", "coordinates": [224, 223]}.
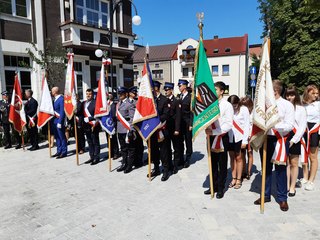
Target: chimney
{"type": "Point", "coordinates": [215, 37]}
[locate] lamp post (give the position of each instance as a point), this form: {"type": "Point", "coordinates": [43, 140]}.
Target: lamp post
{"type": "Point", "coordinates": [136, 20]}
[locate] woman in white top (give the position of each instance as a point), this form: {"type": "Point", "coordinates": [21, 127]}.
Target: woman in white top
{"type": "Point", "coordinates": [238, 139]}
{"type": "Point", "coordinates": [312, 106]}
{"type": "Point", "coordinates": [295, 150]}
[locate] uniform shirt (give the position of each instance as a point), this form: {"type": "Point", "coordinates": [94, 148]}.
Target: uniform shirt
{"type": "Point", "coordinates": [224, 122]}
{"type": "Point", "coordinates": [313, 112]}
{"type": "Point", "coordinates": [286, 115]}
{"type": "Point", "coordinates": [300, 123]}
{"type": "Point", "coordinates": [242, 118]}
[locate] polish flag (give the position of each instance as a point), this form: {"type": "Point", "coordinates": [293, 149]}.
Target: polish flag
{"type": "Point", "coordinates": [70, 101]}
{"type": "Point", "coordinates": [45, 111]}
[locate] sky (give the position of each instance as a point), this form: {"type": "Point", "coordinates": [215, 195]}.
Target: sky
{"type": "Point", "coordinates": [170, 21]}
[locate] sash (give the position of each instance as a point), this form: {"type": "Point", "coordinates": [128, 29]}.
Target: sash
{"type": "Point", "coordinates": [32, 120]}
{"type": "Point", "coordinates": [280, 154]}
{"type": "Point", "coordinates": [87, 114]}
{"type": "Point", "coordinates": [217, 144]}
{"type": "Point", "coordinates": [123, 121]}
{"type": "Point", "coordinates": [303, 151]}
{"type": "Point", "coordinates": [314, 129]}
{"type": "Point", "coordinates": [160, 131]}
{"type": "Point", "coordinates": [237, 132]}
{"type": "Point", "coordinates": [56, 114]}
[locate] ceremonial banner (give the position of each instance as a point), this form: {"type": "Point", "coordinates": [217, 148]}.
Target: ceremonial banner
{"type": "Point", "coordinates": [102, 110]}
{"type": "Point", "coordinates": [265, 111]}
{"type": "Point", "coordinates": [146, 119]}
{"type": "Point", "coordinates": [70, 100]}
{"type": "Point", "coordinates": [205, 104]}
{"type": "Point", "coordinates": [17, 114]}
{"type": "Point", "coordinates": [45, 111]}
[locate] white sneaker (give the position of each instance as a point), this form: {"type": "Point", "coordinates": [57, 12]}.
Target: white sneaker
{"type": "Point", "coordinates": [309, 186]}
{"type": "Point", "coordinates": [303, 181]}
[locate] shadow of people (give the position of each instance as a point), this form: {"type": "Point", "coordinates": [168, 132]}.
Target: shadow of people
{"type": "Point", "coordinates": [196, 156]}
{"type": "Point", "coordinates": [256, 184]}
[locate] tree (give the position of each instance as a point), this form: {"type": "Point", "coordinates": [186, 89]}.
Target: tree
{"type": "Point", "coordinates": [52, 59]}
{"type": "Point", "coordinates": [295, 40]}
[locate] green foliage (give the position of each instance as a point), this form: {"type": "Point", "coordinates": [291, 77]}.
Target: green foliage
{"type": "Point", "coordinates": [295, 40]}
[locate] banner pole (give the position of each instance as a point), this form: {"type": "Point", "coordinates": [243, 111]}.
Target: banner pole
{"type": "Point", "coordinates": [263, 182]}
{"type": "Point", "coordinates": [49, 138]}
{"type": "Point", "coordinates": [109, 147]}
{"type": "Point", "coordinates": [76, 137]}
{"type": "Point", "coordinates": [210, 166]}
{"type": "Point", "coordinates": [149, 160]}
{"type": "Point", "coordinates": [22, 140]}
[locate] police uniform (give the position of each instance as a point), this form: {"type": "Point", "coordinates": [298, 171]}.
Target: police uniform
{"type": "Point", "coordinates": [31, 107]}
{"type": "Point", "coordinates": [80, 131]}
{"type": "Point", "coordinates": [114, 138]}
{"type": "Point", "coordinates": [173, 125]}
{"type": "Point", "coordinates": [125, 113]}
{"type": "Point", "coordinates": [186, 123]}
{"type": "Point", "coordinates": [4, 119]}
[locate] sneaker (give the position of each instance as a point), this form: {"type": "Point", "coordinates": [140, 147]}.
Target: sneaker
{"type": "Point", "coordinates": [303, 181]}
{"type": "Point", "coordinates": [309, 186]}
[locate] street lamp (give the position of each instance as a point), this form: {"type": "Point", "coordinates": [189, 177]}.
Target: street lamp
{"type": "Point", "coordinates": [136, 20]}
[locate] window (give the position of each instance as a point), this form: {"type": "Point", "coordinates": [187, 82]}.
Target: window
{"type": "Point", "coordinates": [25, 79]}
{"type": "Point", "coordinates": [226, 91]}
{"type": "Point", "coordinates": [135, 66]}
{"type": "Point", "coordinates": [156, 65]}
{"type": "Point", "coordinates": [123, 42]}
{"type": "Point", "coordinates": [157, 74]}
{"type": "Point", "coordinates": [216, 50]}
{"type": "Point", "coordinates": [92, 12]}
{"type": "Point", "coordinates": [225, 69]}
{"type": "Point", "coordinates": [86, 36]}
{"type": "Point", "coordinates": [79, 78]}
{"type": "Point", "coordinates": [215, 70]}
{"type": "Point", "coordinates": [16, 61]}
{"type": "Point", "coordinates": [185, 72]}
{"type": "Point", "coordinates": [135, 75]}
{"type": "Point", "coordinates": [15, 7]}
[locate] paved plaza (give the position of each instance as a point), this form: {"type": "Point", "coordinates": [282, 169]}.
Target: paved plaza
{"type": "Point", "coordinates": [46, 198]}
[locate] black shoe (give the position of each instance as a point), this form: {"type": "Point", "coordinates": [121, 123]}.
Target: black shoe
{"type": "Point", "coordinates": [94, 162]}
{"type": "Point", "coordinates": [121, 168]}
{"type": "Point", "coordinates": [165, 176]}
{"type": "Point", "coordinates": [154, 173]}
{"type": "Point", "coordinates": [258, 201]}
{"type": "Point", "coordinates": [207, 192]}
{"type": "Point", "coordinates": [34, 148]}
{"type": "Point", "coordinates": [7, 147]}
{"type": "Point", "coordinates": [220, 195]}
{"type": "Point", "coordinates": [292, 194]}
{"type": "Point", "coordinates": [61, 156]}
{"type": "Point", "coordinates": [89, 161]}
{"type": "Point", "coordinates": [56, 155]}
{"type": "Point", "coordinates": [175, 170]}
{"type": "Point", "coordinates": [186, 164]}
{"type": "Point", "coordinates": [18, 146]}
{"type": "Point", "coordinates": [115, 157]}
{"type": "Point", "coordinates": [30, 148]}
{"type": "Point", "coordinates": [127, 170]}
{"type": "Point", "coordinates": [138, 165]}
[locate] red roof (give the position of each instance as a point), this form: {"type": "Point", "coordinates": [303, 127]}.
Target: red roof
{"type": "Point", "coordinates": [156, 53]}
{"type": "Point", "coordinates": [255, 49]}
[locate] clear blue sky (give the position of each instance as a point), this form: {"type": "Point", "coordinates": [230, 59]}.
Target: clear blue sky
{"type": "Point", "coordinates": [169, 21]}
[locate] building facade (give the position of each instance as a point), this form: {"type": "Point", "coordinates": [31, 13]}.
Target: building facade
{"type": "Point", "coordinates": [82, 25]}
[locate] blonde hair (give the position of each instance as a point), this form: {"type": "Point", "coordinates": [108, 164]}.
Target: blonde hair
{"type": "Point", "coordinates": [307, 90]}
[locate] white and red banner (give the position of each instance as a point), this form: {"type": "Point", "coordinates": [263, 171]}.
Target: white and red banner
{"type": "Point", "coordinates": [17, 114]}
{"type": "Point", "coordinates": [70, 101]}
{"type": "Point", "coordinates": [45, 111]}
{"type": "Point", "coordinates": [265, 111]}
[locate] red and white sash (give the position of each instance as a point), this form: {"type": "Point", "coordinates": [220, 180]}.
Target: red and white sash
{"type": "Point", "coordinates": [217, 144]}
{"type": "Point", "coordinates": [280, 152]}
{"type": "Point", "coordinates": [303, 151]}
{"type": "Point", "coordinates": [123, 121]}
{"type": "Point", "coordinates": [237, 132]}
{"type": "Point", "coordinates": [314, 129]}
{"type": "Point", "coordinates": [87, 114]}
{"type": "Point", "coordinates": [56, 114]}
{"type": "Point", "coordinates": [160, 131]}
{"type": "Point", "coordinates": [32, 120]}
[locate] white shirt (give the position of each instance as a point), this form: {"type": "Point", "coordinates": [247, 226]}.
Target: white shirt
{"type": "Point", "coordinates": [184, 95]}
{"type": "Point", "coordinates": [242, 118]}
{"type": "Point", "coordinates": [313, 112]}
{"type": "Point", "coordinates": [56, 97]}
{"type": "Point", "coordinates": [225, 121]}
{"type": "Point", "coordinates": [300, 123]}
{"type": "Point", "coordinates": [286, 115]}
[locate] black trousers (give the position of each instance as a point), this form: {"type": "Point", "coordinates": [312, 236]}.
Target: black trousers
{"type": "Point", "coordinates": [81, 139]}
{"type": "Point", "coordinates": [160, 150]}
{"type": "Point", "coordinates": [6, 131]}
{"type": "Point", "coordinates": [33, 135]}
{"type": "Point", "coordinates": [114, 144]}
{"type": "Point", "coordinates": [126, 149]}
{"type": "Point", "coordinates": [176, 144]}
{"type": "Point", "coordinates": [93, 142]}
{"type": "Point", "coordinates": [138, 150]}
{"type": "Point", "coordinates": [219, 163]}
{"type": "Point", "coordinates": [186, 136]}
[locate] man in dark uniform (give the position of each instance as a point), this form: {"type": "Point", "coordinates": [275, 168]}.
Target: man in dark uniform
{"type": "Point", "coordinates": [125, 113]}
{"type": "Point", "coordinates": [186, 120]}
{"type": "Point", "coordinates": [114, 138]}
{"type": "Point", "coordinates": [4, 118]}
{"type": "Point", "coordinates": [31, 107]}
{"type": "Point", "coordinates": [91, 128]}
{"type": "Point", "coordinates": [137, 143]}
{"type": "Point", "coordinates": [80, 119]}
{"type": "Point", "coordinates": [159, 140]}
{"type": "Point", "coordinates": [173, 125]}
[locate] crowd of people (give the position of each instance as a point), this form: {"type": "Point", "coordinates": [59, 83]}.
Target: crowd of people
{"type": "Point", "coordinates": [292, 142]}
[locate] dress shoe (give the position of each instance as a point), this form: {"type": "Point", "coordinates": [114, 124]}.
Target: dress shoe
{"type": "Point", "coordinates": [18, 146]}
{"type": "Point", "coordinates": [186, 164]}
{"type": "Point", "coordinates": [115, 157]}
{"type": "Point", "coordinates": [127, 170]}
{"type": "Point", "coordinates": [30, 148]}
{"type": "Point", "coordinates": [89, 161]}
{"type": "Point", "coordinates": [284, 206]}
{"type": "Point", "coordinates": [208, 191]}
{"type": "Point", "coordinates": [154, 173]}
{"type": "Point", "coordinates": [292, 194]}
{"type": "Point", "coordinates": [165, 176]}
{"type": "Point", "coordinates": [56, 155]}
{"type": "Point", "coordinates": [175, 170]}
{"type": "Point", "coordinates": [7, 147]}
{"type": "Point", "coordinates": [34, 148]}
{"type": "Point", "coordinates": [95, 162]}
{"type": "Point", "coordinates": [258, 201]}
{"type": "Point", "coordinates": [138, 165]}
{"type": "Point", "coordinates": [61, 156]}
{"type": "Point", "coordinates": [121, 168]}
{"type": "Point", "coordinates": [219, 195]}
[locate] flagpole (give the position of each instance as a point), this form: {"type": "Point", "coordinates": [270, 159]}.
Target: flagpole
{"type": "Point", "coordinates": [76, 137]}
{"type": "Point", "coordinates": [149, 160]}
{"type": "Point", "coordinates": [49, 139]}
{"type": "Point", "coordinates": [210, 166]}
{"type": "Point", "coordinates": [109, 146]}
{"type": "Point", "coordinates": [22, 140]}
{"type": "Point", "coordinates": [263, 182]}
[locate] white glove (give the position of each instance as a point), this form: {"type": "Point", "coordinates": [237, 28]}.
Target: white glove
{"type": "Point", "coordinates": [58, 125]}
{"type": "Point", "coordinates": [86, 119]}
